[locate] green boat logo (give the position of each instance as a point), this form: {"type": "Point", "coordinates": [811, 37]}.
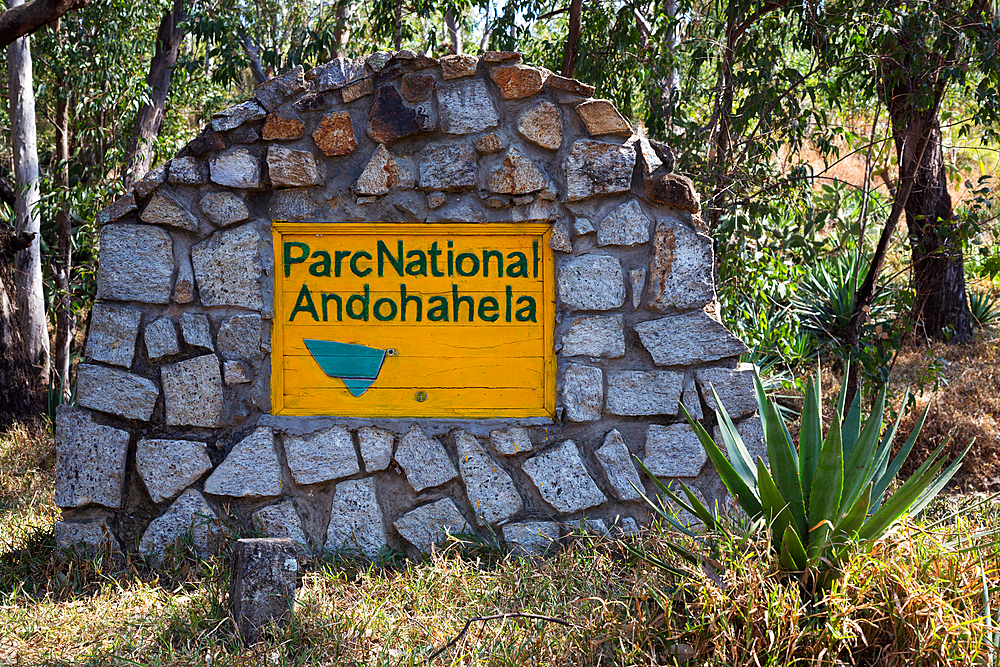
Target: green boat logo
{"type": "Point", "coordinates": [357, 365]}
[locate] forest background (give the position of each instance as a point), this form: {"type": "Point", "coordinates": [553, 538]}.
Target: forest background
{"type": "Point", "coordinates": [844, 152]}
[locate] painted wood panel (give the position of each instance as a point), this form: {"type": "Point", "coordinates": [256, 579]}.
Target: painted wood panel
{"type": "Point", "coordinates": [406, 320]}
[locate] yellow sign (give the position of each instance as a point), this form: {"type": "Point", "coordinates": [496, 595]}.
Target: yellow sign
{"type": "Point", "coordinates": [413, 320]}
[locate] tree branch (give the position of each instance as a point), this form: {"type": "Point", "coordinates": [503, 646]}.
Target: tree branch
{"type": "Point", "coordinates": [26, 19]}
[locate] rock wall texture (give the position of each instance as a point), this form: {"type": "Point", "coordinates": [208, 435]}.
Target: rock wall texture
{"type": "Point", "coordinates": [172, 431]}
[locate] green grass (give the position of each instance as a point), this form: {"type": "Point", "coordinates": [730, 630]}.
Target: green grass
{"type": "Point", "coordinates": [916, 599]}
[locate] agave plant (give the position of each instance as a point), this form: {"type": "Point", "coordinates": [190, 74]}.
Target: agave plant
{"type": "Point", "coordinates": [821, 498]}
{"type": "Point", "coordinates": [985, 308]}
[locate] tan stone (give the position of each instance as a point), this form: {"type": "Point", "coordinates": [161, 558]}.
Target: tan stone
{"type": "Point", "coordinates": [291, 168]}
{"type": "Point", "coordinates": [358, 90]}
{"type": "Point", "coordinates": [516, 81]}
{"type": "Point", "coordinates": [335, 134]}
{"type": "Point", "coordinates": [491, 143]}
{"type": "Point", "coordinates": [542, 125]}
{"type": "Point", "coordinates": [382, 173]}
{"type": "Point", "coordinates": [601, 117]}
{"type": "Point", "coordinates": [516, 175]}
{"type": "Point", "coordinates": [279, 128]}
{"type": "Point", "coordinates": [456, 67]}
{"type": "Point", "coordinates": [417, 87]}
{"type": "Point", "coordinates": [501, 56]}
{"type": "Point", "coordinates": [568, 85]}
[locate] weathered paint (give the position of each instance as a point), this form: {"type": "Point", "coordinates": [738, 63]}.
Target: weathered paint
{"type": "Point", "coordinates": [464, 315]}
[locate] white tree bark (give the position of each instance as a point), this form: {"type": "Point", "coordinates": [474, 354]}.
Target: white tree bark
{"type": "Point", "coordinates": [28, 264]}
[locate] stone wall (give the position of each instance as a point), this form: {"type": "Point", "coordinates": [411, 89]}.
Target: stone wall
{"type": "Point", "coordinates": [173, 422]}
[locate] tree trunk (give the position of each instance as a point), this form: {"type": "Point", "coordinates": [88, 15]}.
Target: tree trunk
{"type": "Point", "coordinates": [24, 19]}
{"type": "Point", "coordinates": [341, 31]}
{"type": "Point", "coordinates": [253, 52]}
{"type": "Point", "coordinates": [19, 395]}
{"type": "Point", "coordinates": [139, 152]}
{"type": "Point", "coordinates": [573, 38]}
{"type": "Point", "coordinates": [61, 267]}
{"type": "Point", "coordinates": [29, 295]}
{"type": "Point", "coordinates": [397, 39]}
{"type": "Point", "coordinates": [454, 32]}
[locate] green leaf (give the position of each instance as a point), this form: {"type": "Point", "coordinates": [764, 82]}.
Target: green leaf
{"type": "Point", "coordinates": [851, 522]}
{"type": "Point", "coordinates": [784, 466]}
{"type": "Point", "coordinates": [810, 435]}
{"type": "Point", "coordinates": [882, 482]}
{"type": "Point", "coordinates": [731, 438]}
{"type": "Point", "coordinates": [792, 545]}
{"type": "Point", "coordinates": [842, 396]}
{"type": "Point", "coordinates": [904, 497]}
{"type": "Point", "coordinates": [828, 486]}
{"type": "Point", "coordinates": [938, 484]}
{"type": "Point", "coordinates": [775, 507]}
{"type": "Point", "coordinates": [698, 507]}
{"type": "Point", "coordinates": [657, 507]}
{"type": "Point", "coordinates": [858, 467]}
{"type": "Point", "coordinates": [852, 425]}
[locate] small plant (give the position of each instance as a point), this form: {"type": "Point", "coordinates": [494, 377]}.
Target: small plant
{"type": "Point", "coordinates": [985, 308]}
{"type": "Point", "coordinates": [821, 499]}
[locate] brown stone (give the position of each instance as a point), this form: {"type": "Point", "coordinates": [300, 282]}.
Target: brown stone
{"type": "Point", "coordinates": [335, 134]}
{"type": "Point", "coordinates": [516, 81]}
{"type": "Point", "coordinates": [568, 85]}
{"type": "Point", "coordinates": [456, 67]}
{"type": "Point", "coordinates": [516, 175]}
{"type": "Point", "coordinates": [673, 191]}
{"type": "Point", "coordinates": [491, 143]}
{"type": "Point", "coordinates": [390, 119]}
{"type": "Point", "coordinates": [542, 125]}
{"type": "Point", "coordinates": [208, 140]}
{"type": "Point", "coordinates": [279, 128]}
{"type": "Point", "coordinates": [358, 90]}
{"type": "Point", "coordinates": [418, 87]}
{"type": "Point", "coordinates": [244, 135]}
{"type": "Point", "coordinates": [601, 117]}
{"type": "Point", "coordinates": [311, 101]}
{"type": "Point", "coordinates": [501, 56]}
{"type": "Point", "coordinates": [402, 63]}
{"type": "Point", "coordinates": [383, 173]}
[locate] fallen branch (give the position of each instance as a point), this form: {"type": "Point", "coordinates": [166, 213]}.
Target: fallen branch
{"type": "Point", "coordinates": [495, 617]}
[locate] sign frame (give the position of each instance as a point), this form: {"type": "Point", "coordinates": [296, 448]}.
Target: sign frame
{"type": "Point", "coordinates": [366, 230]}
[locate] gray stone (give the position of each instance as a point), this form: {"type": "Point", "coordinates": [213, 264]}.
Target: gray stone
{"type": "Point", "coordinates": [627, 527]}
{"type": "Point", "coordinates": [378, 60]}
{"type": "Point", "coordinates": [595, 336]}
{"type": "Point", "coordinates": [462, 210]}
{"type": "Point", "coordinates": [383, 173]}
{"type": "Point", "coordinates": [244, 135]}
{"type": "Point", "coordinates": [690, 398]}
{"type": "Point", "coordinates": [236, 372]}
{"type": "Point", "coordinates": [597, 168]}
{"type": "Point", "coordinates": [684, 340]}
{"type": "Point", "coordinates": [119, 209]}
{"type": "Point", "coordinates": [282, 521]}
{"type": "Point", "coordinates": [241, 337]}
{"type": "Point", "coordinates": [516, 175]}
{"type": "Point", "coordinates": [236, 168]}
{"type": "Point", "coordinates": [681, 268]}
{"type": "Point", "coordinates": [616, 462]}
{"type": "Point", "coordinates": [591, 282]}
{"type": "Point", "coordinates": [273, 92]}
{"type": "Point", "coordinates": [262, 589]}
{"type": "Point", "coordinates": [637, 279]}
{"type": "Point", "coordinates": [187, 171]}
{"type": "Point", "coordinates": [115, 392]}
{"type": "Point", "coordinates": [560, 237]}
{"type": "Point", "coordinates": [290, 168]}
{"type": "Point", "coordinates": [137, 264]}
{"type": "Point", "coordinates": [376, 447]}
{"type": "Point", "coordinates": [531, 537]}
{"type": "Point", "coordinates": [424, 460]}
{"type": "Point", "coordinates": [542, 125]}
{"type": "Point", "coordinates": [167, 467]}
{"type": "Point", "coordinates": [627, 225]}
{"type": "Point", "coordinates": [436, 200]}
{"type": "Point", "coordinates": [338, 73]}
{"type": "Point", "coordinates": [152, 180]}
{"type": "Point", "coordinates": [583, 392]}
{"type": "Point", "coordinates": [90, 460]}
{"type": "Point", "coordinates": [292, 204]}
{"type": "Point", "coordinates": [188, 515]}
{"type": "Point", "coordinates": [583, 226]}
{"type": "Point", "coordinates": [356, 523]}
{"type": "Point", "coordinates": [466, 107]}
{"type": "Point", "coordinates": [449, 167]}
{"type": "Point", "coordinates": [223, 208]}
{"type": "Point", "coordinates": [586, 526]}
{"type": "Point", "coordinates": [91, 537]}
{"type": "Point", "coordinates": [321, 456]}
{"type": "Point", "coordinates": [236, 115]}
{"type": "Point", "coordinates": [511, 441]}
{"type": "Point", "coordinates": [161, 339]}
{"type": "Point", "coordinates": [674, 451]}
{"type": "Point", "coordinates": [734, 386]}
{"type": "Point", "coordinates": [491, 491]}
{"type": "Point", "coordinates": [751, 431]}
{"type": "Point", "coordinates": [251, 469]}
{"type": "Point", "coordinates": [432, 524]}
{"type": "Point", "coordinates": [561, 478]}
{"type": "Point", "coordinates": [113, 330]}
{"type": "Point", "coordinates": [228, 268]}
{"type": "Point", "coordinates": [193, 392]}
{"type": "Point", "coordinates": [636, 393]}
{"type": "Point", "coordinates": [184, 285]}
{"type": "Point", "coordinates": [195, 329]}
